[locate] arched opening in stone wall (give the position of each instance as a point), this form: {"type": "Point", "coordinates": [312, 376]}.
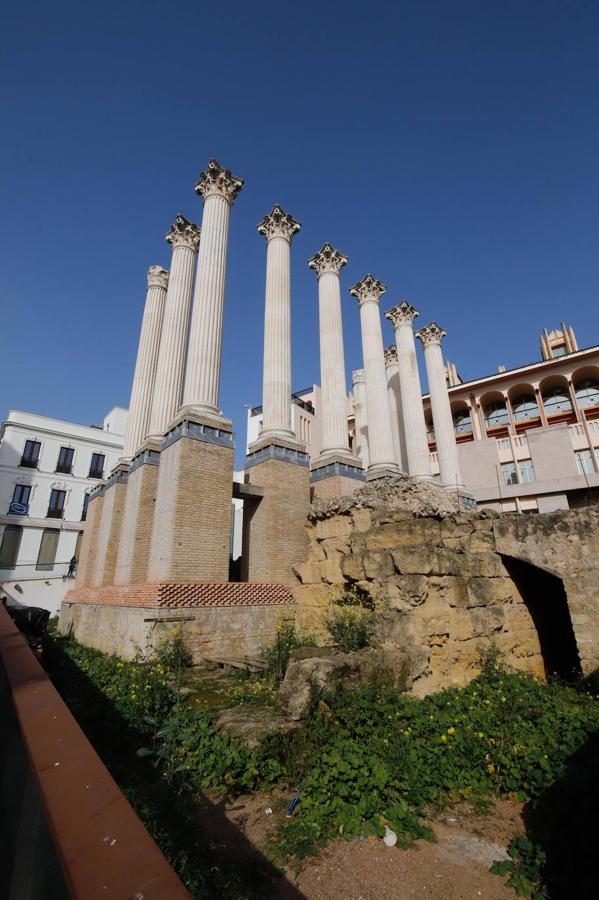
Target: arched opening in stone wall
{"type": "Point", "coordinates": [545, 598]}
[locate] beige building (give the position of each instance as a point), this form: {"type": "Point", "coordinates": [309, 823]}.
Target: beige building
{"type": "Point", "coordinates": [527, 438]}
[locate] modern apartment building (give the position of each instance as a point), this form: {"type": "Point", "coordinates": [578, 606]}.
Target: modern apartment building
{"type": "Point", "coordinates": [47, 468]}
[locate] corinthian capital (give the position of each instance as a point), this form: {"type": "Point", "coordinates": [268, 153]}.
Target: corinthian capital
{"type": "Point", "coordinates": [358, 376]}
{"type": "Point", "coordinates": [183, 233]}
{"type": "Point", "coordinates": [368, 290]}
{"type": "Point", "coordinates": [157, 277]}
{"type": "Point", "coordinates": [278, 223]}
{"type": "Point", "coordinates": [216, 180]}
{"type": "Point", "coordinates": [390, 355]}
{"type": "Point", "coordinates": [431, 334]}
{"type": "Point", "coordinates": [402, 314]}
{"type": "Point", "coordinates": [327, 259]}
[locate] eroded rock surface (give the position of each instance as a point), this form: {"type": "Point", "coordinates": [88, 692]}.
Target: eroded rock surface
{"type": "Point", "coordinates": [402, 494]}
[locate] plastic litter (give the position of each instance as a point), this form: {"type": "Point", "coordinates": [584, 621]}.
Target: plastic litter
{"type": "Point", "coordinates": [268, 811]}
{"type": "Point", "coordinates": [292, 805]}
{"type": "Point", "coordinates": [389, 838]}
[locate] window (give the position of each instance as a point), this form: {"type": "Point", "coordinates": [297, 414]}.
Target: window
{"type": "Point", "coordinates": [31, 454]}
{"type": "Point", "coordinates": [47, 552]}
{"type": "Point", "coordinates": [556, 400]}
{"type": "Point", "coordinates": [96, 469]}
{"type": "Point", "coordinates": [19, 505]}
{"type": "Point", "coordinates": [56, 505]}
{"type": "Point", "coordinates": [584, 461]}
{"type": "Point", "coordinates": [587, 392]}
{"type": "Point", "coordinates": [559, 351]}
{"type": "Point", "coordinates": [525, 407]}
{"type": "Point", "coordinates": [462, 422]}
{"type": "Point", "coordinates": [85, 505]}
{"type": "Point", "coordinates": [496, 414]}
{"type": "Point", "coordinates": [9, 548]}
{"type": "Point", "coordinates": [509, 473]}
{"type": "Point", "coordinates": [65, 460]}
{"type": "Point", "coordinates": [527, 472]}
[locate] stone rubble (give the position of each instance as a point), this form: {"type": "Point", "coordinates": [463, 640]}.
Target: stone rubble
{"type": "Point", "coordinates": [399, 494]}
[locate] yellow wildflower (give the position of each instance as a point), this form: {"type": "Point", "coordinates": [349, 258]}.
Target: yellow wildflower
{"type": "Point", "coordinates": [490, 768]}
{"type": "Point", "coordinates": [443, 737]}
{"type": "Point", "coordinates": [451, 730]}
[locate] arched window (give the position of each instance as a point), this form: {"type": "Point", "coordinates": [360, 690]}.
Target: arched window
{"type": "Point", "coordinates": [496, 414]}
{"type": "Point", "coordinates": [525, 407]}
{"type": "Point", "coordinates": [587, 392]}
{"type": "Point", "coordinates": [556, 400]}
{"type": "Point", "coordinates": [462, 422]}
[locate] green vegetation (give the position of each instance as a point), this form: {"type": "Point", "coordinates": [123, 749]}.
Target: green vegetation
{"type": "Point", "coordinates": [277, 654]}
{"type": "Point", "coordinates": [349, 620]}
{"type": "Point", "coordinates": [368, 757]}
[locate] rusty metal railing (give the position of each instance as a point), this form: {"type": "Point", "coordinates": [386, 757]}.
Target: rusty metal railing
{"type": "Point", "coordinates": [68, 828]}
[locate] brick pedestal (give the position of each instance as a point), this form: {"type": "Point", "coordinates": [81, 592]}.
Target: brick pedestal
{"type": "Point", "coordinates": [274, 536]}
{"type": "Point", "coordinates": [138, 517]}
{"type": "Point", "coordinates": [89, 543]}
{"type": "Point", "coordinates": [336, 477]}
{"type": "Point", "coordinates": [191, 532]}
{"type": "Point", "coordinates": [109, 530]}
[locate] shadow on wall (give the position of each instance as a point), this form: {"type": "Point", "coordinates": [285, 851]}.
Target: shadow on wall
{"type": "Point", "coordinates": [545, 598]}
{"type": "Point", "coordinates": [563, 821]}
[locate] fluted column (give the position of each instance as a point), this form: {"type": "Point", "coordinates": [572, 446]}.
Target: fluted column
{"type": "Point", "coordinates": [418, 456]}
{"type": "Point", "coordinates": [144, 377]}
{"type": "Point", "coordinates": [278, 227]}
{"type": "Point", "coordinates": [368, 292]}
{"type": "Point", "coordinates": [360, 416]}
{"type": "Point", "coordinates": [184, 238]}
{"type": "Point", "coordinates": [327, 264]}
{"type": "Point", "coordinates": [218, 187]}
{"type": "Point", "coordinates": [399, 439]}
{"type": "Point", "coordinates": [447, 450]}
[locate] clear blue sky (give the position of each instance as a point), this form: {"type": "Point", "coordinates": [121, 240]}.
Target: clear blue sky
{"type": "Point", "coordinates": [450, 148]}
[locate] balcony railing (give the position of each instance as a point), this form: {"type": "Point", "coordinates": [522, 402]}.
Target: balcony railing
{"type": "Point", "coordinates": [96, 473]}
{"type": "Point", "coordinates": [72, 833]}
{"type": "Point", "coordinates": [54, 512]}
{"type": "Point", "coordinates": [64, 468]}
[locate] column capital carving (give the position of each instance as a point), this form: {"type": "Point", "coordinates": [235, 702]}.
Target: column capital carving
{"type": "Point", "coordinates": [278, 223]}
{"type": "Point", "coordinates": [431, 334]}
{"type": "Point", "coordinates": [391, 355]}
{"type": "Point", "coordinates": [327, 259]}
{"type": "Point", "coordinates": [216, 180]}
{"type": "Point", "coordinates": [402, 314]}
{"type": "Point", "coordinates": [368, 290]}
{"type": "Point", "coordinates": [183, 233]}
{"type": "Point", "coordinates": [157, 277]}
{"type": "Point", "coordinates": [358, 376]}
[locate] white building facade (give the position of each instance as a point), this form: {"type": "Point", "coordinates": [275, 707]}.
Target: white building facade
{"type": "Point", "coordinates": [47, 469]}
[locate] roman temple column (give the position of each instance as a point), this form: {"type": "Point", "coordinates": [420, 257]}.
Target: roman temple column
{"type": "Point", "coordinates": [277, 465]}
{"type": "Point", "coordinates": [399, 438]}
{"type": "Point", "coordinates": [184, 238]}
{"type": "Point", "coordinates": [447, 450]}
{"type": "Point", "coordinates": [191, 532]}
{"type": "Point", "coordinates": [218, 187]}
{"type": "Point", "coordinates": [278, 227]}
{"type": "Point", "coordinates": [140, 405]}
{"type": "Point", "coordinates": [360, 417]}
{"type": "Point", "coordinates": [418, 456]}
{"type": "Point", "coordinates": [336, 471]}
{"type": "Point", "coordinates": [368, 292]}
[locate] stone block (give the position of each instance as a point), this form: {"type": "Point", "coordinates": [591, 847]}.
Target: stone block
{"type": "Point", "coordinates": [362, 519]}
{"type": "Point", "coordinates": [352, 567]}
{"type": "Point", "coordinates": [418, 560]}
{"type": "Point", "coordinates": [407, 532]}
{"type": "Point", "coordinates": [378, 565]}
{"type": "Point", "coordinates": [335, 527]}
{"type": "Point", "coordinates": [405, 591]}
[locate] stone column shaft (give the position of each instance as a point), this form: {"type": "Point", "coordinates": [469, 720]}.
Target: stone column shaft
{"type": "Point", "coordinates": [380, 436]}
{"type": "Point", "coordinates": [144, 378]}
{"type": "Point", "coordinates": [447, 450]}
{"type": "Point", "coordinates": [418, 456]}
{"type": "Point", "coordinates": [202, 376]}
{"type": "Point", "coordinates": [278, 228]}
{"type": "Point", "coordinates": [327, 263]}
{"type": "Point", "coordinates": [184, 237]}
{"type": "Point", "coordinates": [360, 416]}
{"type": "Point", "coordinates": [394, 393]}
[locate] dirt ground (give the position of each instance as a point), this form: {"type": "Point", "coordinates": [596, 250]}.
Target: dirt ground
{"type": "Point", "coordinates": [455, 868]}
